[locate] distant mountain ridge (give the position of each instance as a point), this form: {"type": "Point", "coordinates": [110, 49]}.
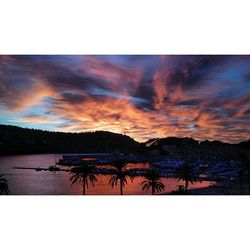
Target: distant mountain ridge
{"type": "Point", "coordinates": [187, 140]}
{"type": "Point", "coordinates": [16, 140]}
{"type": "Point", "coordinates": [191, 149]}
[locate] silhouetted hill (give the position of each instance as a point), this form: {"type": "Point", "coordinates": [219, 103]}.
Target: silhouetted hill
{"type": "Point", "coordinates": [16, 140]}
{"type": "Point", "coordinates": [189, 148]}
{"type": "Point", "coordinates": [245, 144]}
{"type": "Point", "coordinates": [158, 142]}
{"type": "Point", "coordinates": [190, 141]}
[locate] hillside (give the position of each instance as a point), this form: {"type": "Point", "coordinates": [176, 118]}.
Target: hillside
{"type": "Point", "coordinates": [16, 140]}
{"type": "Point", "coordinates": [189, 148]}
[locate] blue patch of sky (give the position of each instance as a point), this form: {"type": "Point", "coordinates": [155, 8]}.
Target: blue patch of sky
{"type": "Point", "coordinates": [232, 74]}
{"type": "Point", "coordinates": [188, 118]}
{"type": "Point", "coordinates": [48, 99]}
{"type": "Point", "coordinates": [72, 62]}
{"type": "Point", "coordinates": [44, 126]}
{"type": "Point", "coordinates": [3, 107]}
{"type": "Point", "coordinates": [15, 118]}
{"type": "Point", "coordinates": [191, 126]}
{"type": "Point", "coordinates": [18, 80]}
{"type": "Point", "coordinates": [38, 109]}
{"type": "Point", "coordinates": [103, 92]}
{"type": "Point", "coordinates": [132, 60]}
{"type": "Point", "coordinates": [233, 80]}
{"type": "Point", "coordinates": [56, 58]}
{"type": "Point", "coordinates": [4, 118]}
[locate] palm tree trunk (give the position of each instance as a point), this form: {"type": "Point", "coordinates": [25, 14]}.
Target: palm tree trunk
{"type": "Point", "coordinates": [153, 190]}
{"type": "Point", "coordinates": [121, 191]}
{"type": "Point", "coordinates": [186, 184]}
{"type": "Point", "coordinates": [83, 187]}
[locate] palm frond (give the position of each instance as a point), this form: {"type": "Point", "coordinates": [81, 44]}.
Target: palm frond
{"type": "Point", "coordinates": [83, 174]}
{"type": "Point", "coordinates": [152, 179]}
{"type": "Point", "coordinates": [4, 188]}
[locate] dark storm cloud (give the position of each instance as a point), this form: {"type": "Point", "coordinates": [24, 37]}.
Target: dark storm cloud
{"type": "Point", "coordinates": [146, 91]}
{"type": "Point", "coordinates": [193, 72]}
{"type": "Point", "coordinates": [72, 98]}
{"type": "Point", "coordinates": [246, 112]}
{"type": "Point", "coordinates": [190, 102]}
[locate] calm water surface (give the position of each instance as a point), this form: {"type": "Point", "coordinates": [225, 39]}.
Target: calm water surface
{"type": "Point", "coordinates": [22, 181]}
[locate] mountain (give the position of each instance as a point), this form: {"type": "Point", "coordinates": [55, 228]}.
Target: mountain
{"type": "Point", "coordinates": [245, 144]}
{"type": "Point", "coordinates": [188, 148]}
{"type": "Point", "coordinates": [158, 142]}
{"type": "Point", "coordinates": [16, 140]}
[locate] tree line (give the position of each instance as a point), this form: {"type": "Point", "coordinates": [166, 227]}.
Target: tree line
{"type": "Point", "coordinates": [16, 140]}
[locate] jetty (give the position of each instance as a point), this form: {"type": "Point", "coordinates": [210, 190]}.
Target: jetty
{"type": "Point", "coordinates": [44, 169]}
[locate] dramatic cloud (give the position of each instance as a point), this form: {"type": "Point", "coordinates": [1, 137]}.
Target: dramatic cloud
{"type": "Point", "coordinates": [204, 97]}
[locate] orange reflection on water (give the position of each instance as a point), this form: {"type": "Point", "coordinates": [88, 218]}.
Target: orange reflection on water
{"type": "Point", "coordinates": [102, 187]}
{"type": "Point", "coordinates": [30, 182]}
{"type": "Point", "coordinates": [138, 165]}
{"type": "Point", "coordinates": [88, 159]}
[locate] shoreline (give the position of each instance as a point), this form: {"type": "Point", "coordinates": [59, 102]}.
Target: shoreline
{"type": "Point", "coordinates": [222, 188]}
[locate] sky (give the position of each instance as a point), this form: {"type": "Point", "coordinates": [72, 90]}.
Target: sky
{"type": "Point", "coordinates": [143, 96]}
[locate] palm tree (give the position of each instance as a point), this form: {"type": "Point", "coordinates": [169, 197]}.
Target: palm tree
{"type": "Point", "coordinates": [187, 174]}
{"type": "Point", "coordinates": [4, 189]}
{"type": "Point", "coordinates": [120, 175]}
{"type": "Point", "coordinates": [153, 181]}
{"type": "Point", "coordinates": [83, 174]}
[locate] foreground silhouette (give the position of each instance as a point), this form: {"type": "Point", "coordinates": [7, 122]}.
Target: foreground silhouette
{"type": "Point", "coordinates": [83, 174]}
{"type": "Point", "coordinates": [187, 174]}
{"type": "Point", "coordinates": [120, 175]}
{"type": "Point", "coordinates": [247, 164]}
{"type": "Point", "coordinates": [4, 189]}
{"type": "Point", "coordinates": [153, 181]}
{"type": "Point", "coordinates": [17, 141]}
{"type": "Point", "coordinates": [245, 168]}
{"type": "Point", "coordinates": [180, 191]}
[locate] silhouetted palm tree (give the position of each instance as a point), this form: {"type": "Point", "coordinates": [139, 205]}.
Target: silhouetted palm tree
{"type": "Point", "coordinates": [187, 174]}
{"type": "Point", "coordinates": [153, 181]}
{"type": "Point", "coordinates": [83, 174]}
{"type": "Point", "coordinates": [4, 189]}
{"type": "Point", "coordinates": [120, 175]}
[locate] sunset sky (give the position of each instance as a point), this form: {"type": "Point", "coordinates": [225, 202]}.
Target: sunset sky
{"type": "Point", "coordinates": [204, 97]}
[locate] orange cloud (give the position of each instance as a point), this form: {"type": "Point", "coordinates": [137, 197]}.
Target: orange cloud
{"type": "Point", "coordinates": [173, 97]}
{"type": "Point", "coordinates": [21, 100]}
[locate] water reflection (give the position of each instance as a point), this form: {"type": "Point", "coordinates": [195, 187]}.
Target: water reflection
{"type": "Point", "coordinates": [27, 182]}
{"type": "Point", "coordinates": [84, 174]}
{"type": "Point", "coordinates": [153, 180]}
{"type": "Point", "coordinates": [4, 188]}
{"type": "Point", "coordinates": [120, 175]}
{"type": "Point", "coordinates": [187, 174]}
